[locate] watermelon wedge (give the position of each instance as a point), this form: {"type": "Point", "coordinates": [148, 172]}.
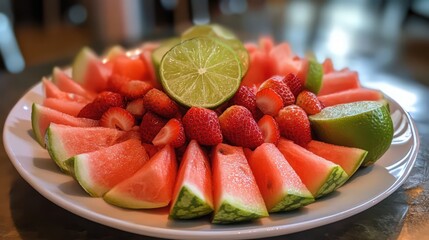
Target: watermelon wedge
{"type": "Point", "coordinates": [348, 158]}
{"type": "Point", "coordinates": [52, 91]}
{"type": "Point", "coordinates": [150, 187]}
{"type": "Point", "coordinates": [235, 192]}
{"type": "Point", "coordinates": [319, 175]}
{"type": "Point", "coordinates": [65, 106]}
{"type": "Point", "coordinates": [42, 116]}
{"type": "Point", "coordinates": [64, 142]}
{"type": "Point", "coordinates": [66, 84]}
{"type": "Point", "coordinates": [339, 81]}
{"type": "Point", "coordinates": [280, 186]}
{"type": "Point", "coordinates": [98, 172]}
{"type": "Point", "coordinates": [352, 95]}
{"type": "Point", "coordinates": [192, 195]}
{"type": "Point", "coordinates": [89, 71]}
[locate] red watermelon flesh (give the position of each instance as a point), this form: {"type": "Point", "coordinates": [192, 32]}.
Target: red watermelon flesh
{"type": "Point", "coordinates": [328, 66]}
{"type": "Point", "coordinates": [352, 95]}
{"type": "Point", "coordinates": [319, 175]}
{"type": "Point", "coordinates": [348, 158]}
{"type": "Point", "coordinates": [90, 72]}
{"type": "Point", "coordinates": [146, 57]}
{"type": "Point", "coordinates": [260, 69]}
{"type": "Point", "coordinates": [65, 106]}
{"type": "Point", "coordinates": [280, 186]}
{"type": "Point", "coordinates": [339, 81]}
{"type": "Point", "coordinates": [266, 43]}
{"type": "Point", "coordinates": [235, 192]}
{"type": "Point", "coordinates": [192, 195]}
{"type": "Point", "coordinates": [98, 172]}
{"type": "Point", "coordinates": [66, 84]}
{"type": "Point", "coordinates": [64, 142]}
{"type": "Point", "coordinates": [42, 116]}
{"type": "Point", "coordinates": [297, 66]}
{"type": "Point", "coordinates": [52, 91]}
{"type": "Point", "coordinates": [150, 187]}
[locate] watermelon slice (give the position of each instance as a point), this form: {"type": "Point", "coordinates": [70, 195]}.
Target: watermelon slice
{"type": "Point", "coordinates": [192, 196]}
{"type": "Point", "coordinates": [42, 116]}
{"type": "Point", "coordinates": [235, 192]}
{"type": "Point", "coordinates": [259, 69]}
{"type": "Point", "coordinates": [64, 142]}
{"type": "Point", "coordinates": [52, 91]}
{"type": "Point", "coordinates": [328, 66]}
{"type": "Point", "coordinates": [65, 106]}
{"type": "Point", "coordinates": [348, 158]}
{"type": "Point", "coordinates": [89, 71]}
{"type": "Point", "coordinates": [66, 84]}
{"type": "Point", "coordinates": [352, 95]}
{"type": "Point", "coordinates": [339, 81]}
{"type": "Point", "coordinates": [97, 172]}
{"type": "Point", "coordinates": [280, 186]}
{"type": "Point", "coordinates": [150, 187]}
{"type": "Point", "coordinates": [319, 175]}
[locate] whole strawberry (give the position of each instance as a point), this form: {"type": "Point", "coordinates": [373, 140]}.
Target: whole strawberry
{"type": "Point", "coordinates": [103, 101]}
{"type": "Point", "coordinates": [294, 125]}
{"type": "Point", "coordinates": [294, 83]}
{"type": "Point", "coordinates": [202, 125]}
{"type": "Point", "coordinates": [240, 128]}
{"type": "Point", "coordinates": [150, 125]}
{"type": "Point", "coordinates": [246, 97]}
{"type": "Point", "coordinates": [309, 102]}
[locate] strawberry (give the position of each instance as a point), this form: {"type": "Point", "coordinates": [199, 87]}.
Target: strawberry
{"type": "Point", "coordinates": [294, 125]}
{"type": "Point", "coordinates": [172, 133]}
{"type": "Point", "coordinates": [280, 87]}
{"type": "Point", "coordinates": [268, 101]}
{"type": "Point", "coordinates": [103, 101]}
{"type": "Point", "coordinates": [119, 118]}
{"type": "Point", "coordinates": [150, 125]}
{"type": "Point", "coordinates": [158, 102]}
{"type": "Point", "coordinates": [246, 97]}
{"type": "Point", "coordinates": [136, 107]}
{"type": "Point", "coordinates": [135, 89]}
{"type": "Point", "coordinates": [239, 127]}
{"type": "Point", "coordinates": [309, 102]}
{"type": "Point", "coordinates": [294, 84]}
{"type": "Point", "coordinates": [202, 125]}
{"type": "Point", "coordinates": [270, 129]}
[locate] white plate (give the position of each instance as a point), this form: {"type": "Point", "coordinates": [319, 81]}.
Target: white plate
{"type": "Point", "coordinates": [368, 187]}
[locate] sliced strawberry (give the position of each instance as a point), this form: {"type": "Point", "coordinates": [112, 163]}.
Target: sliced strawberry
{"type": "Point", "coordinates": [158, 102]}
{"type": "Point", "coordinates": [294, 125]}
{"type": "Point", "coordinates": [136, 107]}
{"type": "Point", "coordinates": [309, 102]}
{"type": "Point", "coordinates": [270, 129]}
{"type": "Point", "coordinates": [294, 83]}
{"type": "Point", "coordinates": [239, 128]}
{"type": "Point", "coordinates": [202, 125]}
{"type": "Point", "coordinates": [118, 118]}
{"type": "Point", "coordinates": [268, 101]}
{"type": "Point", "coordinates": [135, 89]}
{"type": "Point", "coordinates": [246, 97]}
{"type": "Point", "coordinates": [172, 133]}
{"type": "Point", "coordinates": [103, 101]}
{"type": "Point", "coordinates": [280, 87]}
{"type": "Point", "coordinates": [150, 125]}
{"type": "Point", "coordinates": [133, 68]}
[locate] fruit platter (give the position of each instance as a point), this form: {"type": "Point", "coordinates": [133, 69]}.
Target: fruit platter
{"type": "Point", "coordinates": [203, 136]}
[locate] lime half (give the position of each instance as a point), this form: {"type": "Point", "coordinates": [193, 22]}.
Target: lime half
{"type": "Point", "coordinates": [366, 125]}
{"type": "Point", "coordinates": [223, 34]}
{"type": "Point", "coordinates": [202, 72]}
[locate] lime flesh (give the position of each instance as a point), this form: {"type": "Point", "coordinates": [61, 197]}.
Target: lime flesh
{"type": "Point", "coordinates": [201, 72]}
{"type": "Point", "coordinates": [366, 125]}
{"type": "Point", "coordinates": [314, 76]}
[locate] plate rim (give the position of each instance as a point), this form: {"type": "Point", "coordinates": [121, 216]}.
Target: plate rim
{"type": "Point", "coordinates": [260, 231]}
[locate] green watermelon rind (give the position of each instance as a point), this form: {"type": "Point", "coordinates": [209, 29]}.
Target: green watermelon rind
{"type": "Point", "coordinates": [82, 176]}
{"type": "Point", "coordinates": [120, 199]}
{"type": "Point", "coordinates": [232, 211]}
{"type": "Point", "coordinates": [335, 179]}
{"type": "Point", "coordinates": [56, 150]}
{"type": "Point", "coordinates": [189, 205]}
{"type": "Point", "coordinates": [291, 201]}
{"type": "Point", "coordinates": [35, 116]}
{"type": "Point", "coordinates": [80, 63]}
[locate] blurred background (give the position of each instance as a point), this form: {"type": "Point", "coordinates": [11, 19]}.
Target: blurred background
{"type": "Point", "coordinates": [385, 35]}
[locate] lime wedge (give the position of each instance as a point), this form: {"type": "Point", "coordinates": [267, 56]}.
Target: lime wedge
{"type": "Point", "coordinates": [160, 51]}
{"type": "Point", "coordinates": [314, 76]}
{"type": "Point", "coordinates": [225, 35]}
{"type": "Point", "coordinates": [366, 125]}
{"type": "Point", "coordinates": [202, 72]}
